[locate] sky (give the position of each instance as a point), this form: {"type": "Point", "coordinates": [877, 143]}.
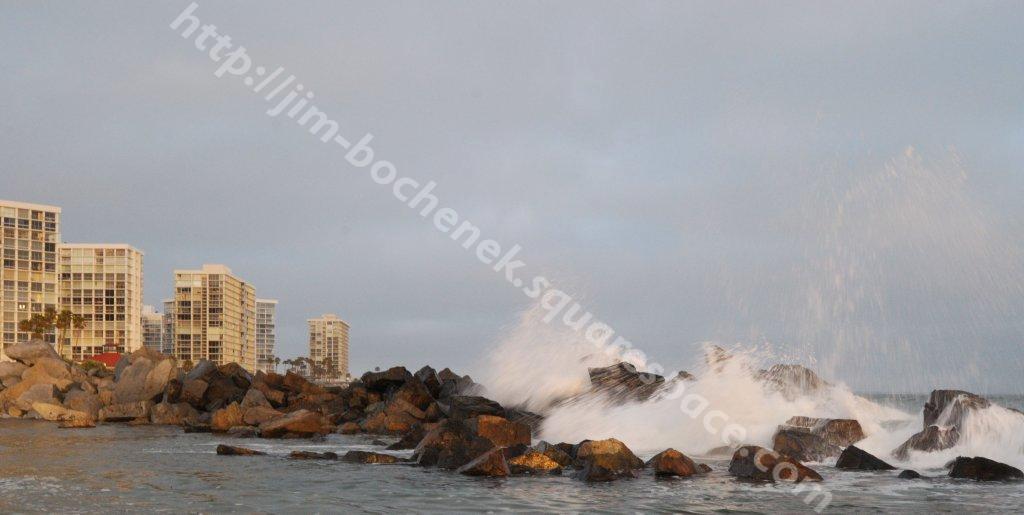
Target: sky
{"type": "Point", "coordinates": [839, 183]}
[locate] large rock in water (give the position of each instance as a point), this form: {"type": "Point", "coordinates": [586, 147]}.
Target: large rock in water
{"type": "Point", "coordinates": [143, 380]}
{"type": "Point", "coordinates": [229, 450]}
{"type": "Point", "coordinates": [30, 352]}
{"type": "Point", "coordinates": [533, 462]}
{"type": "Point", "coordinates": [126, 412]}
{"type": "Point", "coordinates": [950, 407]}
{"type": "Point", "coordinates": [300, 423]}
{"type": "Point", "coordinates": [672, 463]}
{"type": "Point", "coordinates": [501, 432]}
{"type": "Point", "coordinates": [386, 381]}
{"type": "Point", "coordinates": [984, 469]}
{"type": "Point", "coordinates": [792, 381]}
{"type": "Point", "coordinates": [854, 458]}
{"type": "Point", "coordinates": [372, 458]}
{"type": "Point", "coordinates": [450, 445]}
{"type": "Point", "coordinates": [44, 393]}
{"type": "Point", "coordinates": [226, 418]}
{"type": "Point", "coordinates": [803, 445]}
{"type": "Point", "coordinates": [933, 438]}
{"type": "Point", "coordinates": [836, 431]}
{"type": "Point", "coordinates": [461, 407]}
{"type": "Point", "coordinates": [760, 464]}
{"type": "Point", "coordinates": [606, 460]}
{"type": "Point", "coordinates": [622, 382]}
{"type": "Point", "coordinates": [489, 464]}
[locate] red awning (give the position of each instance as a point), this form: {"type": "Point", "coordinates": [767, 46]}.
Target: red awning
{"type": "Point", "coordinates": [109, 359]}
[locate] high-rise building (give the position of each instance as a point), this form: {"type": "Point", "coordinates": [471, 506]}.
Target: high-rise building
{"type": "Point", "coordinates": [152, 329]}
{"type": "Point", "coordinates": [102, 283]}
{"type": "Point", "coordinates": [328, 344]}
{"type": "Point", "coordinates": [214, 317]}
{"type": "Point", "coordinates": [266, 334]}
{"type": "Point", "coordinates": [168, 327]}
{"type": "Point", "coordinates": [29, 240]}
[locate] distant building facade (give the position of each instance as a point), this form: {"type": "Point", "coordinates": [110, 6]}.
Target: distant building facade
{"type": "Point", "coordinates": [214, 317]}
{"type": "Point", "coordinates": [152, 329]}
{"type": "Point", "coordinates": [102, 283]}
{"type": "Point", "coordinates": [28, 278]}
{"type": "Point", "coordinates": [168, 327]}
{"type": "Point", "coordinates": [328, 344]}
{"type": "Point", "coordinates": [266, 334]}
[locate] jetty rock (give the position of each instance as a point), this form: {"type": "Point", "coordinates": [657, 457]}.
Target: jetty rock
{"type": "Point", "coordinates": [759, 464]}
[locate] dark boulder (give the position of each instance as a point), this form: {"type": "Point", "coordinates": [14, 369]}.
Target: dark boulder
{"type": "Point", "coordinates": [410, 439]}
{"type": "Point", "coordinates": [428, 376]}
{"type": "Point", "coordinates": [556, 453]}
{"type": "Point", "coordinates": [622, 382]}
{"type": "Point", "coordinates": [489, 464]}
{"type": "Point", "coordinates": [387, 380]}
{"type": "Point", "coordinates": [501, 432]}
{"type": "Point", "coordinates": [984, 469]}
{"type": "Point", "coordinates": [854, 458]}
{"type": "Point", "coordinates": [461, 407]}
{"type": "Point", "coordinates": [372, 458]}
{"type": "Point", "coordinates": [297, 424]}
{"type": "Point", "coordinates": [836, 431]}
{"type": "Point", "coordinates": [450, 445]}
{"type": "Point", "coordinates": [310, 455]}
{"type": "Point", "coordinates": [759, 464]}
{"type": "Point", "coordinates": [909, 474]}
{"type": "Point", "coordinates": [230, 450]}
{"type": "Point", "coordinates": [414, 392]}
{"type": "Point", "coordinates": [803, 445]}
{"type": "Point", "coordinates": [933, 438]}
{"type": "Point", "coordinates": [672, 463]}
{"type": "Point", "coordinates": [950, 407]}
{"type": "Point", "coordinates": [606, 460]}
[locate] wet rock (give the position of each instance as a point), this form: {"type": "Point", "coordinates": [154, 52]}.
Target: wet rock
{"type": "Point", "coordinates": [463, 407]}
{"type": "Point", "coordinates": [428, 376]}
{"type": "Point", "coordinates": [310, 455]}
{"type": "Point", "coordinates": [489, 464]}
{"type": "Point", "coordinates": [260, 414]}
{"type": "Point", "coordinates": [703, 468]}
{"type": "Point", "coordinates": [803, 445]}
{"type": "Point", "coordinates": [759, 464]}
{"type": "Point", "coordinates": [909, 474]}
{"type": "Point", "coordinates": [415, 393]}
{"type": "Point", "coordinates": [836, 431]}
{"type": "Point", "coordinates": [230, 450]}
{"type": "Point", "coordinates": [78, 423]}
{"type": "Point", "coordinates": [301, 423]}
{"type": "Point", "coordinates": [950, 407]}
{"type": "Point", "coordinates": [221, 391]}
{"type": "Point", "coordinates": [933, 438]}
{"type": "Point", "coordinates": [243, 432]}
{"type": "Point", "coordinates": [792, 381]}
{"type": "Point", "coordinates": [533, 462]}
{"type": "Point", "coordinates": [621, 381]}
{"type": "Point", "coordinates": [522, 416]}
{"type": "Point", "coordinates": [501, 432]}
{"type": "Point", "coordinates": [30, 352]}
{"type": "Point", "coordinates": [450, 445]}
{"type": "Point", "coordinates": [984, 469]}
{"type": "Point", "coordinates": [387, 380]}
{"type": "Point", "coordinates": [606, 460]}
{"type": "Point", "coordinates": [58, 413]}
{"type": "Point", "coordinates": [226, 418]}
{"type": "Point", "coordinates": [126, 412]}
{"type": "Point", "coordinates": [173, 414]}
{"type": "Point", "coordinates": [373, 458]}
{"type": "Point", "coordinates": [854, 458]}
{"type": "Point", "coordinates": [410, 440]}
{"type": "Point", "coordinates": [275, 397]}
{"type": "Point", "coordinates": [672, 463]}
{"type": "Point", "coordinates": [349, 428]}
{"type": "Point", "coordinates": [556, 453]}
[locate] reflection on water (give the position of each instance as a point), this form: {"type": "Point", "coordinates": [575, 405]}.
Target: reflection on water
{"type": "Point", "coordinates": [120, 468]}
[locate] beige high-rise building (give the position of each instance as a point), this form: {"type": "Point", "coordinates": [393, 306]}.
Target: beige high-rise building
{"type": "Point", "coordinates": [328, 340]}
{"type": "Point", "coordinates": [168, 327]}
{"type": "Point", "coordinates": [29, 237]}
{"type": "Point", "coordinates": [103, 283]}
{"type": "Point", "coordinates": [266, 334]}
{"type": "Point", "coordinates": [214, 317]}
{"type": "Point", "coordinates": [153, 329]}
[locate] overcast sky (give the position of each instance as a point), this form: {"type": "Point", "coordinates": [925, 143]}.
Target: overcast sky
{"type": "Point", "coordinates": [841, 182]}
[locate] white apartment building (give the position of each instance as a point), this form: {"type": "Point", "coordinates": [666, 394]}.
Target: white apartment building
{"type": "Point", "coordinates": [328, 343]}
{"type": "Point", "coordinates": [103, 283]}
{"type": "Point", "coordinates": [152, 329]}
{"type": "Point", "coordinates": [266, 334]}
{"type": "Point", "coordinates": [214, 317]}
{"type": "Point", "coordinates": [28, 277]}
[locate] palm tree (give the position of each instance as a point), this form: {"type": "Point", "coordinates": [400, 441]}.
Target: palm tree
{"type": "Point", "coordinates": [64, 322]}
{"type": "Point", "coordinates": [41, 324]}
{"type": "Point", "coordinates": [277, 361]}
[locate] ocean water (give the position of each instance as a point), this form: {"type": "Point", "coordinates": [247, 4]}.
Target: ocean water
{"type": "Point", "coordinates": [115, 468]}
